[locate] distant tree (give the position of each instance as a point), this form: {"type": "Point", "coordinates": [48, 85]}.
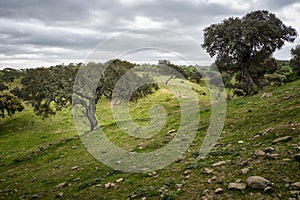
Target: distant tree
{"type": "Point", "coordinates": [243, 45]}
{"type": "Point", "coordinates": [295, 60]}
{"type": "Point", "coordinates": [9, 104]}
{"type": "Point", "coordinates": [115, 69]}
{"type": "Point", "coordinates": [49, 89]}
{"type": "Point", "coordinates": [3, 87]}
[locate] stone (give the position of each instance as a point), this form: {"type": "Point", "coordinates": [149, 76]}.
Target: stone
{"type": "Point", "coordinates": [236, 186]}
{"type": "Point", "coordinates": [144, 198]}
{"type": "Point", "coordinates": [297, 156]}
{"type": "Point", "coordinates": [272, 156]}
{"type": "Point", "coordinates": [218, 163]}
{"type": "Point", "coordinates": [75, 167]}
{"type": "Point", "coordinates": [76, 179]}
{"type": "Point", "coordinates": [245, 170]}
{"type": "Point", "coordinates": [59, 195]}
{"type": "Point", "coordinates": [119, 180]}
{"type": "Point", "coordinates": [259, 153]}
{"type": "Point", "coordinates": [282, 139]}
{"type": "Point", "coordinates": [240, 142]}
{"type": "Point", "coordinates": [296, 185]}
{"type": "Point", "coordinates": [266, 95]}
{"type": "Point", "coordinates": [218, 190]}
{"type": "Point", "coordinates": [109, 185]}
{"type": "Point", "coordinates": [62, 185]}
{"type": "Point", "coordinates": [268, 189]}
{"type": "Point", "coordinates": [208, 171]}
{"type": "Point", "coordinates": [180, 158]}
{"type": "Point", "coordinates": [257, 182]}
{"type": "Point", "coordinates": [36, 196]}
{"type": "Point", "coordinates": [269, 149]}
{"type": "Point", "coordinates": [187, 172]}
{"type": "Point", "coordinates": [178, 185]}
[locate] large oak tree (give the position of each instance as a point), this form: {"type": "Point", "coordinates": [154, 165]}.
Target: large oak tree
{"type": "Point", "coordinates": [242, 46]}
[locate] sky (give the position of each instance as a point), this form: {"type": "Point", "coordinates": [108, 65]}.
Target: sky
{"type": "Point", "coordinates": [35, 33]}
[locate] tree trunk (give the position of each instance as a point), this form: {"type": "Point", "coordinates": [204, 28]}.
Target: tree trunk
{"type": "Point", "coordinates": [248, 79]}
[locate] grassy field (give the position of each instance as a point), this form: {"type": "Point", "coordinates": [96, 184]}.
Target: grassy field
{"type": "Point", "coordinates": [44, 158]}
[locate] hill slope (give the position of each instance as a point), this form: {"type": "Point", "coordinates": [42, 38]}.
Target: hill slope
{"type": "Point", "coordinates": [45, 159]}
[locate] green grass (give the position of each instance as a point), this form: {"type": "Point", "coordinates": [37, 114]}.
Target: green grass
{"type": "Point", "coordinates": [37, 154]}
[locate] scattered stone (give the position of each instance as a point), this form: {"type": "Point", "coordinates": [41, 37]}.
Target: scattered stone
{"type": "Point", "coordinates": [75, 167]}
{"type": "Point", "coordinates": [268, 189]}
{"type": "Point", "coordinates": [172, 131]}
{"type": "Point", "coordinates": [265, 132]}
{"type": "Point", "coordinates": [266, 95]}
{"type": "Point", "coordinates": [237, 180]}
{"type": "Point", "coordinates": [144, 198]}
{"type": "Point", "coordinates": [208, 171]}
{"type": "Point", "coordinates": [218, 163]}
{"type": "Point", "coordinates": [180, 158]}
{"type": "Point", "coordinates": [257, 182]}
{"type": "Point", "coordinates": [282, 139]}
{"type": "Point", "coordinates": [272, 156]}
{"type": "Point", "coordinates": [59, 195]}
{"type": "Point", "coordinates": [269, 149]}
{"type": "Point", "coordinates": [297, 156]}
{"type": "Point", "coordinates": [76, 179]}
{"type": "Point", "coordinates": [240, 142]}
{"type": "Point", "coordinates": [62, 185]}
{"type": "Point", "coordinates": [211, 179]}
{"type": "Point", "coordinates": [218, 190]}
{"type": "Point", "coordinates": [243, 162]}
{"type": "Point", "coordinates": [259, 153]}
{"type": "Point", "coordinates": [295, 192]}
{"type": "Point", "coordinates": [36, 196]}
{"type": "Point", "coordinates": [296, 185]}
{"type": "Point", "coordinates": [119, 180]}
{"type": "Point", "coordinates": [74, 147]}
{"type": "Point", "coordinates": [187, 172]}
{"type": "Point", "coordinates": [245, 170]}
{"type": "Point", "coordinates": [152, 173]}
{"type": "Point", "coordinates": [178, 185]}
{"type": "Point", "coordinates": [109, 185]}
{"type": "Point", "coordinates": [236, 186]}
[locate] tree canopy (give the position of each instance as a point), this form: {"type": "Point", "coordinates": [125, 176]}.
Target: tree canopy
{"type": "Point", "coordinates": [244, 46]}
{"type": "Point", "coordinates": [295, 60]}
{"type": "Point", "coordinates": [9, 104]}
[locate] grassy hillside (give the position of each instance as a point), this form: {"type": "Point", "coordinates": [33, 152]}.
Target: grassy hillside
{"type": "Point", "coordinates": [44, 158]}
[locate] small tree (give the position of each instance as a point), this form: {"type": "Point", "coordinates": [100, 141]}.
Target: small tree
{"type": "Point", "coordinates": [242, 45]}
{"type": "Point", "coordinates": [9, 104]}
{"type": "Point", "coordinates": [295, 60]}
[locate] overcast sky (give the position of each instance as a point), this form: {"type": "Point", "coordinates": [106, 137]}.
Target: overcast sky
{"type": "Point", "coordinates": [43, 33]}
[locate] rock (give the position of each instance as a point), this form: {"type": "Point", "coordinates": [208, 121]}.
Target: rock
{"type": "Point", "coordinates": [187, 172]}
{"type": "Point", "coordinates": [268, 189]}
{"type": "Point", "coordinates": [180, 158]}
{"type": "Point", "coordinates": [272, 156]}
{"type": "Point", "coordinates": [218, 163]}
{"type": "Point", "coordinates": [295, 192]}
{"type": "Point", "coordinates": [152, 173]}
{"type": "Point", "coordinates": [257, 182]}
{"type": "Point", "coordinates": [62, 185]}
{"type": "Point", "coordinates": [178, 185]}
{"type": "Point", "coordinates": [119, 180]}
{"type": "Point", "coordinates": [144, 198]}
{"type": "Point", "coordinates": [240, 142]}
{"type": "Point", "coordinates": [76, 179]}
{"type": "Point", "coordinates": [208, 171]}
{"type": "Point", "coordinates": [74, 147]}
{"type": "Point", "coordinates": [36, 196]}
{"type": "Point", "coordinates": [269, 149]}
{"type": "Point", "coordinates": [259, 153]}
{"type": "Point", "coordinates": [109, 185]}
{"type": "Point", "coordinates": [282, 139]}
{"type": "Point", "coordinates": [236, 186]}
{"type": "Point", "coordinates": [218, 190]}
{"type": "Point", "coordinates": [297, 157]}
{"type": "Point", "coordinates": [266, 95]}
{"type": "Point", "coordinates": [296, 185]}
{"type": "Point", "coordinates": [75, 167]}
{"type": "Point", "coordinates": [245, 170]}
{"type": "Point", "coordinates": [59, 195]}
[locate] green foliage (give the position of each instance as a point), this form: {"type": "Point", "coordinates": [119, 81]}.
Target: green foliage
{"type": "Point", "coordinates": [295, 60]}
{"type": "Point", "coordinates": [9, 104]}
{"type": "Point", "coordinates": [48, 89]}
{"type": "Point", "coordinates": [244, 46]}
{"type": "Point", "coordinates": [3, 87]}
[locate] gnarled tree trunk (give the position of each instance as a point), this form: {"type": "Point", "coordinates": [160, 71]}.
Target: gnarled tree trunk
{"type": "Point", "coordinates": [248, 79]}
